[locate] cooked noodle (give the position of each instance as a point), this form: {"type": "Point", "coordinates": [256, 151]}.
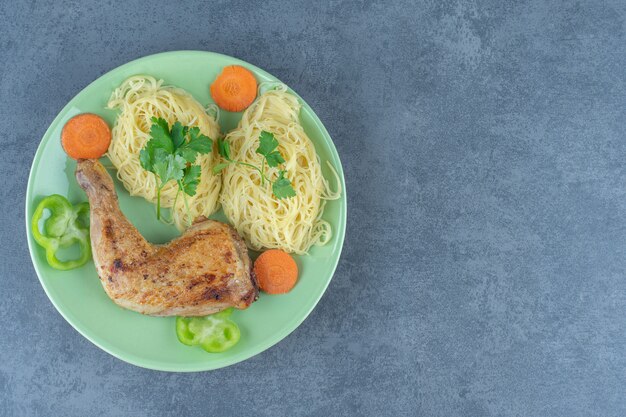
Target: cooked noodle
{"type": "Point", "coordinates": [140, 98]}
{"type": "Point", "coordinates": [292, 224]}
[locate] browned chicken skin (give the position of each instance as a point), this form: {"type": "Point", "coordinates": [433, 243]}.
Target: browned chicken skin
{"type": "Point", "coordinates": [204, 271]}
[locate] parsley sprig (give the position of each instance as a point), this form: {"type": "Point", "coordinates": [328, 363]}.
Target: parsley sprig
{"type": "Point", "coordinates": [268, 147]}
{"type": "Point", "coordinates": [170, 155]}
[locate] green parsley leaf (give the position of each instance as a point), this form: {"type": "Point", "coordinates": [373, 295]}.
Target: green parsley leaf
{"type": "Point", "coordinates": [145, 159]}
{"type": "Point", "coordinates": [161, 137]}
{"type": "Point", "coordinates": [178, 134]}
{"type": "Point", "coordinates": [224, 148]}
{"type": "Point", "coordinates": [267, 143]}
{"type": "Point", "coordinates": [191, 179]}
{"type": "Point", "coordinates": [197, 144]}
{"type": "Point", "coordinates": [274, 159]}
{"type": "Point", "coordinates": [149, 155]}
{"type": "Point", "coordinates": [282, 186]}
{"type": "Point", "coordinates": [217, 168]}
{"type": "Point", "coordinates": [267, 148]}
{"type": "Point", "coordinates": [170, 168]}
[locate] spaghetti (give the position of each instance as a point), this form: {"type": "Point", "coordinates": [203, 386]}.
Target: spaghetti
{"type": "Point", "coordinates": [292, 224]}
{"type": "Point", "coordinates": [140, 98]}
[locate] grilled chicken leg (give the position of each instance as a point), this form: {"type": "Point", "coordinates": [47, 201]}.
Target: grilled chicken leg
{"type": "Point", "coordinates": [205, 270]}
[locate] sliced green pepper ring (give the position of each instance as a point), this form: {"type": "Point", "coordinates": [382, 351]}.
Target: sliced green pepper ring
{"type": "Point", "coordinates": [224, 336]}
{"type": "Point", "coordinates": [182, 331]}
{"type": "Point", "coordinates": [214, 333]}
{"type": "Point", "coordinates": [65, 226]}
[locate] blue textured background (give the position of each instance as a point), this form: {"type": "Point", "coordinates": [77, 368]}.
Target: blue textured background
{"type": "Point", "coordinates": [484, 266]}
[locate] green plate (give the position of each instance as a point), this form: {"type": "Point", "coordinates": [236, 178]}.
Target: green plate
{"type": "Point", "coordinates": [151, 342]}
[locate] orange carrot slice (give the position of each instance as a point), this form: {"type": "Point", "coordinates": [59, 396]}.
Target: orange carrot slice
{"type": "Point", "coordinates": [276, 271]}
{"type": "Point", "coordinates": [86, 136]}
{"type": "Point", "coordinates": [234, 89]}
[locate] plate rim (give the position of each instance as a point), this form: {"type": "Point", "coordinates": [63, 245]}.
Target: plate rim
{"type": "Point", "coordinates": [192, 367]}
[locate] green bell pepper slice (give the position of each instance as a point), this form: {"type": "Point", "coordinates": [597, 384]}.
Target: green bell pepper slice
{"type": "Point", "coordinates": [62, 229]}
{"type": "Point", "coordinates": [214, 333]}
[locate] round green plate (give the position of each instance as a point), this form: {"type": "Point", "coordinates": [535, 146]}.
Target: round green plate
{"type": "Point", "coordinates": [151, 341]}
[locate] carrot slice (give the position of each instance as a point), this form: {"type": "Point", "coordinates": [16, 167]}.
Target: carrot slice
{"type": "Point", "coordinates": [86, 136]}
{"type": "Point", "coordinates": [276, 271]}
{"type": "Point", "coordinates": [234, 89]}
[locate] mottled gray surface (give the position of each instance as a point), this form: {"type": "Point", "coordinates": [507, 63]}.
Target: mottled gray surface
{"type": "Point", "coordinates": [484, 149]}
